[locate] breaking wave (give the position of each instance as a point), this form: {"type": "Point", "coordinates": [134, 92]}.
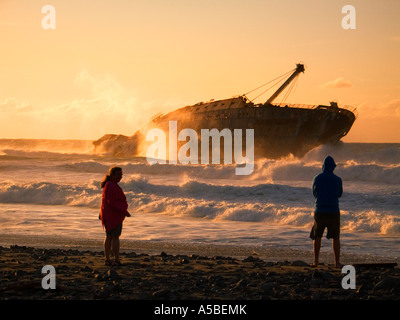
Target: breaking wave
{"type": "Point", "coordinates": [273, 204]}
{"type": "Point", "coordinates": [357, 162]}
{"type": "Point", "coordinates": [278, 192]}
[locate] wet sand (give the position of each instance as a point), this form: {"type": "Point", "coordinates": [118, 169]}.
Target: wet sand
{"type": "Point", "coordinates": [82, 275]}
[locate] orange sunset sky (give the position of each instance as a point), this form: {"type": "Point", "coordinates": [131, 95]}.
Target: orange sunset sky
{"type": "Point", "coordinates": [108, 66]}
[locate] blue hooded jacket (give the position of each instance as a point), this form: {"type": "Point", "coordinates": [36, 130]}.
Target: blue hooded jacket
{"type": "Point", "coordinates": [327, 189]}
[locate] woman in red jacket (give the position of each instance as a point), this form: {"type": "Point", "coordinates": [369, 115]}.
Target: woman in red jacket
{"type": "Point", "coordinates": [114, 209]}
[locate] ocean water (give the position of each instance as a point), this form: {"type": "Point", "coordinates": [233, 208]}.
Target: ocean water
{"type": "Point", "coordinates": [50, 188]}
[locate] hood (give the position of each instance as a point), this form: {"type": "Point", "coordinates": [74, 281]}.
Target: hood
{"type": "Point", "coordinates": [329, 164]}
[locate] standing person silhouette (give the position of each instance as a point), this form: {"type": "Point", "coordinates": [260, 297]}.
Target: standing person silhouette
{"type": "Point", "coordinates": [327, 189]}
{"type": "Point", "coordinates": [114, 209]}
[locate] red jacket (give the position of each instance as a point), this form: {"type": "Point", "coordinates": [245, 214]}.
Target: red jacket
{"type": "Point", "coordinates": [113, 206]}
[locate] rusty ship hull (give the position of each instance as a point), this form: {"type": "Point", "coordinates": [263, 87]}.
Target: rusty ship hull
{"type": "Point", "coordinates": [279, 130]}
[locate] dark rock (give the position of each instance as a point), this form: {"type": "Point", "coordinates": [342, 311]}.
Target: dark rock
{"type": "Point", "coordinates": [299, 263]}
{"type": "Point", "coordinates": [327, 275]}
{"type": "Point", "coordinates": [363, 289]}
{"type": "Point", "coordinates": [387, 283]}
{"type": "Point", "coordinates": [252, 259]}
{"type": "Point", "coordinates": [86, 269]}
{"type": "Point", "coordinates": [162, 293]}
{"type": "Point", "coordinates": [317, 282]}
{"type": "Point", "coordinates": [112, 275]}
{"type": "Point", "coordinates": [267, 288]}
{"type": "Point", "coordinates": [19, 273]}
{"type": "Point", "coordinates": [316, 274]}
{"type": "Point", "coordinates": [241, 283]}
{"type": "Point", "coordinates": [218, 281]}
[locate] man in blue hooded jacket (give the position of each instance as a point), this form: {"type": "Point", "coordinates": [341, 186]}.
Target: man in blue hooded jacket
{"type": "Point", "coordinates": [327, 189]}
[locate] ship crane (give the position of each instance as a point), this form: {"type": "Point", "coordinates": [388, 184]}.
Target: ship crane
{"type": "Point", "coordinates": [299, 68]}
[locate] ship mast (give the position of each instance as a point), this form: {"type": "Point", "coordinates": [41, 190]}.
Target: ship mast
{"type": "Point", "coordinates": [299, 68]}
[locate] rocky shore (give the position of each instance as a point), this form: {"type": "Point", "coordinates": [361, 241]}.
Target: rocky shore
{"type": "Point", "coordinates": [82, 275]}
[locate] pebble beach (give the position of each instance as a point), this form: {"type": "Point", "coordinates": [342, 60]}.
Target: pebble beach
{"type": "Point", "coordinates": [82, 275]}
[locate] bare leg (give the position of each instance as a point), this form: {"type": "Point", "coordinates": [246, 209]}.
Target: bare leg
{"type": "Point", "coordinates": [336, 252]}
{"type": "Point", "coordinates": [316, 247]}
{"type": "Point", "coordinates": [115, 248]}
{"type": "Point", "coordinates": [107, 247]}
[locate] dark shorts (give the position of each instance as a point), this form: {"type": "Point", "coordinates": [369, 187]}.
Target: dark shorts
{"type": "Point", "coordinates": [116, 232]}
{"type": "Point", "coordinates": [329, 221]}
